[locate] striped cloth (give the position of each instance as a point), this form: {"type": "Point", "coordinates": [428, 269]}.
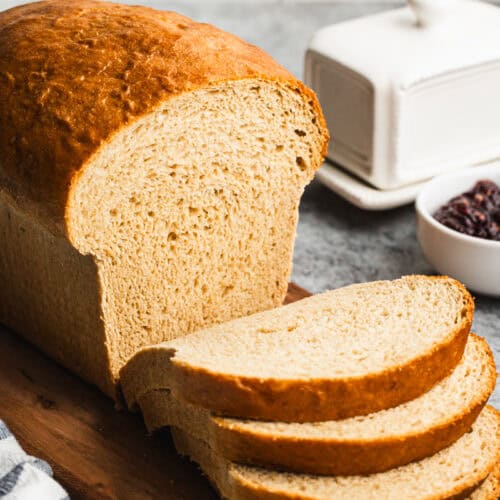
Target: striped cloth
{"type": "Point", "coordinates": [23, 477]}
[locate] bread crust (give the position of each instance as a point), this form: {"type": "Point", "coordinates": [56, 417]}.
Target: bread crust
{"type": "Point", "coordinates": [238, 488]}
{"type": "Point", "coordinates": [72, 74]}
{"type": "Point", "coordinates": [346, 457]}
{"type": "Point", "coordinates": [349, 457]}
{"type": "Point", "coordinates": [342, 458]}
{"type": "Point", "coordinates": [305, 400]}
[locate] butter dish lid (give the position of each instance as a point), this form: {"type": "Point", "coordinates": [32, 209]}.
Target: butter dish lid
{"type": "Point", "coordinates": [424, 40]}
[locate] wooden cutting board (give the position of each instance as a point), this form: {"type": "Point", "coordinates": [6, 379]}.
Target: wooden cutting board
{"type": "Point", "coordinates": [96, 451]}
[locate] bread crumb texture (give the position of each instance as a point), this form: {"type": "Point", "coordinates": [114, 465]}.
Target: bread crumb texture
{"type": "Point", "coordinates": [345, 333]}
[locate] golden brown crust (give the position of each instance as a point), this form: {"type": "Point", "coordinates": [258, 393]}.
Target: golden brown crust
{"type": "Point", "coordinates": [311, 400]}
{"type": "Point", "coordinates": [341, 458]}
{"type": "Point", "coordinates": [74, 73]}
{"type": "Point", "coordinates": [464, 495]}
{"type": "Point", "coordinates": [296, 400]}
{"type": "Point", "coordinates": [320, 454]}
{"type": "Point", "coordinates": [245, 490]}
{"type": "Point", "coordinates": [346, 457]}
{"type": "Point", "coordinates": [237, 486]}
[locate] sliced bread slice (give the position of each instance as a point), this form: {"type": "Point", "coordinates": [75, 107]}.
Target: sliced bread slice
{"type": "Point", "coordinates": [358, 445]}
{"type": "Point", "coordinates": [343, 353]}
{"type": "Point", "coordinates": [452, 473]}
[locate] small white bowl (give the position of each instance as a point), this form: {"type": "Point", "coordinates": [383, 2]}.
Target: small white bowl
{"type": "Point", "coordinates": [473, 261]}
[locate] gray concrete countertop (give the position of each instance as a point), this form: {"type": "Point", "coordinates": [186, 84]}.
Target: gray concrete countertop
{"type": "Point", "coordinates": [337, 244]}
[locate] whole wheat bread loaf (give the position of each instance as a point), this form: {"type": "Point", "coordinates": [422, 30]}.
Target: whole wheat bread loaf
{"type": "Point", "coordinates": [343, 353]}
{"type": "Point", "coordinates": [455, 472]}
{"type": "Point", "coordinates": [358, 445]}
{"type": "Point", "coordinates": [150, 173]}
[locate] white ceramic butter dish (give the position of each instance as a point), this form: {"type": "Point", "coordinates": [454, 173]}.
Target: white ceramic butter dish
{"type": "Point", "coordinates": [408, 94]}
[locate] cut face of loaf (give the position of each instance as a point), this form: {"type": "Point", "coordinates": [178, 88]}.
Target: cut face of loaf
{"type": "Point", "coordinates": [347, 352]}
{"type": "Point", "coordinates": [156, 192]}
{"type": "Point", "coordinates": [191, 212]}
{"type": "Point", "coordinates": [458, 471]}
{"type": "Point", "coordinates": [358, 445]}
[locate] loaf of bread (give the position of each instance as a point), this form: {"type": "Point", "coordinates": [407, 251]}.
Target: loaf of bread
{"type": "Point", "coordinates": [357, 445]}
{"type": "Point", "coordinates": [150, 173]}
{"type": "Point", "coordinates": [459, 471]}
{"type": "Point", "coordinates": [347, 352]}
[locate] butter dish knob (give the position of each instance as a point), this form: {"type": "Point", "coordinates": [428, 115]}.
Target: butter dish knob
{"type": "Point", "coordinates": [430, 12]}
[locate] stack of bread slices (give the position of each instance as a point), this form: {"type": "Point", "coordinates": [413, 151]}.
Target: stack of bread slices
{"type": "Point", "coordinates": [373, 391]}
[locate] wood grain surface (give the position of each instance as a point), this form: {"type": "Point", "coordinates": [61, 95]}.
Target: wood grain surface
{"type": "Point", "coordinates": [96, 451]}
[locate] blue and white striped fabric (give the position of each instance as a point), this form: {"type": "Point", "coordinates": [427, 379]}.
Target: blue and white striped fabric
{"type": "Point", "coordinates": [23, 477]}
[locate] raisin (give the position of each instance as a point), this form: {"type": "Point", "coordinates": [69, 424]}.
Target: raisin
{"type": "Point", "coordinates": [475, 212]}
